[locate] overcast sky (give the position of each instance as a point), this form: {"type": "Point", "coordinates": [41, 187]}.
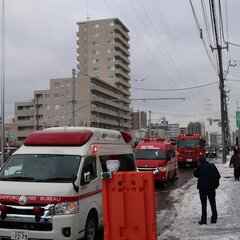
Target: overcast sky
{"type": "Point", "coordinates": [165, 46]}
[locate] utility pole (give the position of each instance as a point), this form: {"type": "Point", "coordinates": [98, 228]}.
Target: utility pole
{"type": "Point", "coordinates": [149, 125]}
{"type": "Point", "coordinates": [37, 111]}
{"type": "Point", "coordinates": [73, 96]}
{"type": "Point", "coordinates": [2, 84]}
{"type": "Point", "coordinates": [221, 83]}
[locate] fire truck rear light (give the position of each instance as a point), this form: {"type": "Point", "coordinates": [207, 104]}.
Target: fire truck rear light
{"type": "Point", "coordinates": [126, 136]}
{"type": "Point", "coordinates": [58, 138]}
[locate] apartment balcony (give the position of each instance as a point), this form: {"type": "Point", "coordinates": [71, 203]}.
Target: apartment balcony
{"type": "Point", "coordinates": [105, 101]}
{"type": "Point", "coordinates": [100, 120]}
{"type": "Point", "coordinates": [25, 123]}
{"type": "Point", "coordinates": [120, 77]}
{"type": "Point", "coordinates": [125, 91]}
{"type": "Point", "coordinates": [118, 37]}
{"type": "Point", "coordinates": [118, 28]}
{"type": "Point", "coordinates": [122, 56]}
{"type": "Point", "coordinates": [24, 133]}
{"type": "Point", "coordinates": [23, 113]}
{"type": "Point", "coordinates": [78, 34]}
{"type": "Point", "coordinates": [78, 42]}
{"type": "Point", "coordinates": [104, 90]}
{"type": "Point", "coordinates": [126, 108]}
{"type": "Point", "coordinates": [118, 45]}
{"type": "Point", "coordinates": [123, 65]}
{"type": "Point", "coordinates": [105, 111]}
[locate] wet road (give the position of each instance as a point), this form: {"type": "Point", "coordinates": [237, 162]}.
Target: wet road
{"type": "Point", "coordinates": [162, 193]}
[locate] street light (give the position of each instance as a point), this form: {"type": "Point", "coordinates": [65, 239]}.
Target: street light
{"type": "Point", "coordinates": [139, 111]}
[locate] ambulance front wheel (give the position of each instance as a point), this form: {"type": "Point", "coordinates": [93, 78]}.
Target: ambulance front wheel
{"type": "Point", "coordinates": [91, 227]}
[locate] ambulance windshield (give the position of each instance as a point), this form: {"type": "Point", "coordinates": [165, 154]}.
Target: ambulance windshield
{"type": "Point", "coordinates": [41, 168]}
{"type": "Point", "coordinates": [150, 154]}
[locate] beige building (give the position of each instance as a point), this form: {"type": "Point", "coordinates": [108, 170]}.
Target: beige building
{"type": "Point", "coordinates": [100, 96]}
{"type": "Point", "coordinates": [98, 104]}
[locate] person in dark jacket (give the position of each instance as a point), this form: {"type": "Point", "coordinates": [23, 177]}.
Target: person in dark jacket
{"type": "Point", "coordinates": [235, 161]}
{"type": "Point", "coordinates": [208, 180]}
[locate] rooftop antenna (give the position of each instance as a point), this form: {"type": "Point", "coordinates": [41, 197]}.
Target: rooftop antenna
{"type": "Point", "coordinates": [87, 12]}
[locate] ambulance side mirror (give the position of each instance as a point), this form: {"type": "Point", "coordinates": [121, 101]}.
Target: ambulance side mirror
{"type": "Point", "coordinates": [87, 177]}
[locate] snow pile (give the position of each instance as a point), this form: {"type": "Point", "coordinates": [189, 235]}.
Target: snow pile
{"type": "Point", "coordinates": [181, 222]}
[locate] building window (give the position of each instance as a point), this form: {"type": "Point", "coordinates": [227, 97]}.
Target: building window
{"type": "Point", "coordinates": [95, 43]}
{"type": "Point", "coordinates": [110, 32]}
{"type": "Point", "coordinates": [46, 95]}
{"type": "Point", "coordinates": [111, 59]}
{"type": "Point", "coordinates": [46, 107]}
{"type": "Point", "coordinates": [110, 51]}
{"type": "Point", "coordinates": [56, 95]}
{"type": "Point", "coordinates": [57, 117]}
{"type": "Point", "coordinates": [96, 34]}
{"type": "Point", "coordinates": [56, 85]}
{"type": "Point", "coordinates": [57, 107]}
{"type": "Point", "coordinates": [46, 117]}
{"type": "Point", "coordinates": [96, 25]}
{"type": "Point", "coordinates": [96, 52]}
{"type": "Point", "coordinates": [111, 41]}
{"type": "Point", "coordinates": [111, 68]}
{"type": "Point", "coordinates": [111, 24]}
{"type": "Point", "coordinates": [96, 69]}
{"type": "Point", "coordinates": [111, 77]}
{"type": "Point", "coordinates": [95, 60]}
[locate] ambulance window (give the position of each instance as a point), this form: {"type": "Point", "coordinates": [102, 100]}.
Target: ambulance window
{"type": "Point", "coordinates": [90, 166]}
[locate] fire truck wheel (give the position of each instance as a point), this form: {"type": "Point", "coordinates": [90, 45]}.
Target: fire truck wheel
{"type": "Point", "coordinates": [91, 227]}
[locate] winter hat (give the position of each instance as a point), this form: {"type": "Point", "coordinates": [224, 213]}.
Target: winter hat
{"type": "Point", "coordinates": [202, 159]}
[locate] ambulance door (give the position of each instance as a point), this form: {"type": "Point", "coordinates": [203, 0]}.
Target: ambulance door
{"type": "Point", "coordinates": [91, 192]}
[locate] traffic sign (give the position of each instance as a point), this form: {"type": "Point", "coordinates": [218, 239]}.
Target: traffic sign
{"type": "Point", "coordinates": [237, 119]}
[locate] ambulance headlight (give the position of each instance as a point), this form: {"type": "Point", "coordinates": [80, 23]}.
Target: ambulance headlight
{"type": "Point", "coordinates": [66, 208]}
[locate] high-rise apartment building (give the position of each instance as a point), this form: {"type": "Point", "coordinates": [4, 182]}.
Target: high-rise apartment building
{"type": "Point", "coordinates": [103, 52]}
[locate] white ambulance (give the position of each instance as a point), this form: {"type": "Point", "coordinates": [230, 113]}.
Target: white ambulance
{"type": "Point", "coordinates": [50, 188]}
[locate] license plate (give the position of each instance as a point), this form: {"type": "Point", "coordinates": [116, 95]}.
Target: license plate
{"type": "Point", "coordinates": [19, 235]}
{"type": "Point", "coordinates": [189, 160]}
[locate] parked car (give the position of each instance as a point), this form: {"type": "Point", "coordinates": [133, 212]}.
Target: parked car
{"type": "Point", "coordinates": [211, 151]}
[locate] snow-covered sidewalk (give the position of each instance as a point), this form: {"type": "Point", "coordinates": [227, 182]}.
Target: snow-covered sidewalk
{"type": "Point", "coordinates": [181, 222]}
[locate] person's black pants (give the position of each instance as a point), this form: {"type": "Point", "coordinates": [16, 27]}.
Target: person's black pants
{"type": "Point", "coordinates": [210, 194]}
{"type": "Point", "coordinates": [236, 173]}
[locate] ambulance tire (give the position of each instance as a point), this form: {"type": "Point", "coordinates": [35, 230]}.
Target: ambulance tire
{"type": "Point", "coordinates": [91, 227]}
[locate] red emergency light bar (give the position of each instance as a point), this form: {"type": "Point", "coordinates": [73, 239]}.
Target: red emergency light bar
{"type": "Point", "coordinates": [58, 138]}
{"type": "Point", "coordinates": [126, 136]}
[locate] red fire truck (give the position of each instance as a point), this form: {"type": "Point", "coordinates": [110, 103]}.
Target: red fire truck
{"type": "Point", "coordinates": [189, 148]}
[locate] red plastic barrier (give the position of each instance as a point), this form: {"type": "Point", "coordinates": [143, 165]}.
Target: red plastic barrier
{"type": "Point", "coordinates": [129, 210]}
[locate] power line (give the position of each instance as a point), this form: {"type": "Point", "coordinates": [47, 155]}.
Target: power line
{"type": "Point", "coordinates": [175, 89]}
